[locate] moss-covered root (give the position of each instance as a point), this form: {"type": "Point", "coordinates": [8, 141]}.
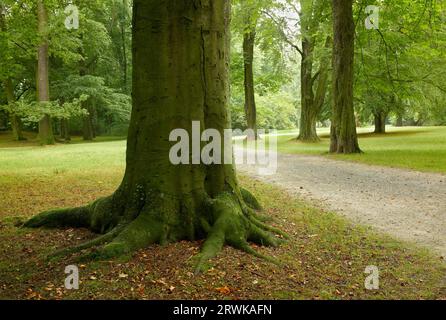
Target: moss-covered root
{"type": "Point", "coordinates": [234, 228]}
{"type": "Point", "coordinates": [74, 217]}
{"type": "Point", "coordinates": [227, 220]}
{"type": "Point", "coordinates": [140, 233]}
{"type": "Point", "coordinates": [253, 218]}
{"type": "Point", "coordinates": [105, 238]}
{"type": "Point", "coordinates": [250, 200]}
{"type": "Point", "coordinates": [99, 216]}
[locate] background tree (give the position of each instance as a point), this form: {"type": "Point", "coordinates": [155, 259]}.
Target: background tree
{"type": "Point", "coordinates": [250, 17]}
{"type": "Point", "coordinates": [307, 21]}
{"type": "Point", "coordinates": [120, 33]}
{"type": "Point", "coordinates": [9, 69]}
{"type": "Point", "coordinates": [343, 127]}
{"type": "Point", "coordinates": [250, 23]}
{"type": "Point", "coordinates": [46, 135]}
{"type": "Point", "coordinates": [90, 48]}
{"type": "Point", "coordinates": [271, 91]}
{"type": "Point", "coordinates": [314, 85]}
{"type": "Point", "coordinates": [397, 66]}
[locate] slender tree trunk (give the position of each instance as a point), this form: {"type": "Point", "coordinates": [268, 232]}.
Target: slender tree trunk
{"type": "Point", "coordinates": [322, 80]}
{"type": "Point", "coordinates": [380, 121]}
{"type": "Point", "coordinates": [312, 99]}
{"type": "Point", "coordinates": [65, 129]}
{"type": "Point", "coordinates": [16, 123]}
{"type": "Point", "coordinates": [122, 21]}
{"type": "Point", "coordinates": [399, 121]}
{"type": "Point", "coordinates": [181, 61]}
{"type": "Point", "coordinates": [3, 120]}
{"type": "Point", "coordinates": [46, 135]}
{"type": "Point", "coordinates": [250, 103]}
{"type": "Point", "coordinates": [307, 128]}
{"type": "Point", "coordinates": [343, 131]}
{"type": "Point", "coordinates": [87, 131]}
{"type": "Point", "coordinates": [311, 103]}
{"type": "Point", "coordinates": [87, 120]}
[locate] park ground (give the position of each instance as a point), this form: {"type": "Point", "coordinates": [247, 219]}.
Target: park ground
{"type": "Point", "coordinates": [324, 259]}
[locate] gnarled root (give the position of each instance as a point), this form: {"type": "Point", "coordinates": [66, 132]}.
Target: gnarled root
{"type": "Point", "coordinates": [75, 217]}
{"type": "Point", "coordinates": [223, 220]}
{"type": "Point", "coordinates": [234, 227]}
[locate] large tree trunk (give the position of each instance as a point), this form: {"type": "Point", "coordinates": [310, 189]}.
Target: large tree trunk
{"type": "Point", "coordinates": [16, 123]}
{"type": "Point", "coordinates": [250, 103]}
{"type": "Point", "coordinates": [380, 121]}
{"type": "Point", "coordinates": [343, 131]}
{"type": "Point", "coordinates": [46, 135]}
{"type": "Point", "coordinates": [180, 57]}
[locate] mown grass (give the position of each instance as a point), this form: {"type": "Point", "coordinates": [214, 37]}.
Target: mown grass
{"type": "Point", "coordinates": [31, 140]}
{"type": "Point", "coordinates": [324, 259]}
{"type": "Point", "coordinates": [420, 148]}
{"type": "Point", "coordinates": [417, 148]}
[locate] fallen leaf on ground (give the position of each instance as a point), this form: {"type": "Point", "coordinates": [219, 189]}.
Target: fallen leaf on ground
{"type": "Point", "coordinates": [223, 290]}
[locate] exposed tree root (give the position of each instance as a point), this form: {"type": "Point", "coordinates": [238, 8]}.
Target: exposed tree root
{"type": "Point", "coordinates": [76, 218]}
{"type": "Point", "coordinates": [228, 219]}
{"type": "Point", "coordinates": [253, 217]}
{"type": "Point", "coordinates": [250, 200]}
{"type": "Point", "coordinates": [309, 139]}
{"type": "Point", "coordinates": [89, 244]}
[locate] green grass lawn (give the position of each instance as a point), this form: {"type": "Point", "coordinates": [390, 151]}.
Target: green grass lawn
{"type": "Point", "coordinates": [325, 257]}
{"type": "Point", "coordinates": [420, 148]}
{"type": "Point", "coordinates": [417, 148]}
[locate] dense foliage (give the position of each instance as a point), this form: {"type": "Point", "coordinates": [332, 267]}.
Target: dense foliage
{"type": "Point", "coordinates": [399, 66]}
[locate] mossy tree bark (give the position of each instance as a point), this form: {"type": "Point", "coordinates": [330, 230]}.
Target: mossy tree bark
{"type": "Point", "coordinates": [46, 135]}
{"type": "Point", "coordinates": [180, 57]}
{"type": "Point", "coordinates": [343, 128]}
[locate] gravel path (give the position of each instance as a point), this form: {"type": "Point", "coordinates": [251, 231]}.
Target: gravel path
{"type": "Point", "coordinates": [406, 204]}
